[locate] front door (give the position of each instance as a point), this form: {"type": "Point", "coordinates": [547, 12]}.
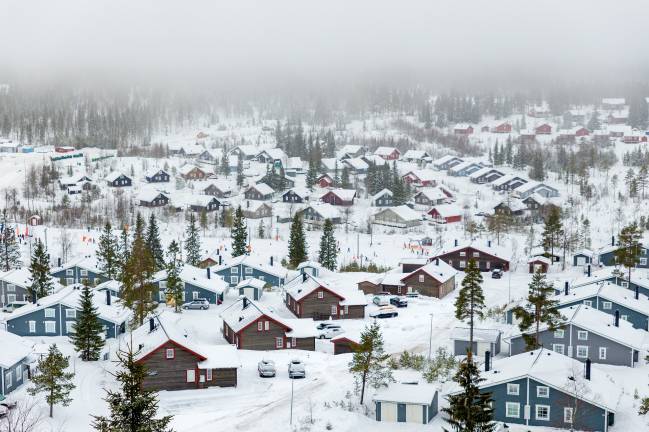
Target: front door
{"type": "Point", "coordinates": [401, 413]}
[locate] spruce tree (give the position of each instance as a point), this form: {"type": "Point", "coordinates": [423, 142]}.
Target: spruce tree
{"type": "Point", "coordinates": [52, 379]}
{"type": "Point", "coordinates": [41, 281]}
{"type": "Point", "coordinates": [192, 242]}
{"type": "Point", "coordinates": [297, 249]}
{"type": "Point", "coordinates": [344, 179]}
{"type": "Point", "coordinates": [369, 362]}
{"type": "Point", "coordinates": [108, 253]}
{"type": "Point", "coordinates": [240, 176]}
{"type": "Point", "coordinates": [239, 234]}
{"type": "Point", "coordinates": [470, 300]}
{"type": "Point", "coordinates": [630, 248]}
{"type": "Point", "coordinates": [328, 248]}
{"type": "Point", "coordinates": [553, 231]}
{"type": "Point", "coordinates": [225, 164]}
{"type": "Point", "coordinates": [539, 309]}
{"type": "Point", "coordinates": [174, 290]}
{"type": "Point", "coordinates": [124, 247]}
{"type": "Point", "coordinates": [261, 231]}
{"type": "Point", "coordinates": [470, 410]}
{"type": "Point", "coordinates": [9, 249]}
{"type": "Point", "coordinates": [87, 336]}
{"type": "Point", "coordinates": [153, 243]}
{"type": "Point", "coordinates": [132, 409]}
{"type": "Point", "coordinates": [312, 174]}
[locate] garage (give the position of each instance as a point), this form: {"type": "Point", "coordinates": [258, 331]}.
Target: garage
{"type": "Point", "coordinates": [406, 403]}
{"type": "Point", "coordinates": [251, 288]}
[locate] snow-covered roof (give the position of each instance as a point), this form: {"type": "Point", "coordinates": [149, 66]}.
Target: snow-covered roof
{"type": "Point", "coordinates": [149, 195]}
{"type": "Point", "coordinates": [187, 168]}
{"type": "Point", "coordinates": [219, 357]}
{"type": "Point", "coordinates": [382, 192]}
{"type": "Point", "coordinates": [539, 258]}
{"type": "Point", "coordinates": [462, 126]}
{"type": "Point", "coordinates": [613, 101]}
{"type": "Point", "coordinates": [252, 282]}
{"type": "Point", "coordinates": [351, 148]}
{"type": "Point", "coordinates": [74, 179]}
{"type": "Point", "coordinates": [504, 179]}
{"type": "Point", "coordinates": [393, 279]}
{"type": "Point", "coordinates": [302, 192]}
{"type": "Point", "coordinates": [274, 153]}
{"type": "Point", "coordinates": [447, 210]}
{"type": "Point", "coordinates": [423, 175]}
{"type": "Point", "coordinates": [254, 205]}
{"type": "Point", "coordinates": [189, 199]}
{"type": "Point", "coordinates": [479, 334]}
{"type": "Point", "coordinates": [326, 210]}
{"type": "Point", "coordinates": [221, 184]}
{"type": "Point", "coordinates": [153, 171]}
{"type": "Point", "coordinates": [418, 394]}
{"type": "Point", "coordinates": [253, 262]}
{"type": "Point", "coordinates": [463, 165]}
{"type": "Point", "coordinates": [247, 149]}
{"type": "Point", "coordinates": [357, 163]}
{"type": "Point", "coordinates": [492, 250]}
{"type": "Point", "coordinates": [481, 172]}
{"type": "Point", "coordinates": [514, 205]}
{"type": "Point", "coordinates": [344, 194]}
{"type": "Point", "coordinates": [262, 188]}
{"type": "Point", "coordinates": [445, 159]}
{"type": "Point", "coordinates": [114, 175]}
{"type": "Point", "coordinates": [167, 327]}
{"type": "Point", "coordinates": [301, 287]}
{"type": "Point", "coordinates": [432, 193]}
{"type": "Point", "coordinates": [415, 154]}
{"type": "Point", "coordinates": [14, 349]}
{"type": "Point", "coordinates": [86, 263]}
{"type": "Point", "coordinates": [20, 277]}
{"type": "Point", "coordinates": [403, 212]}
{"type": "Point", "coordinates": [375, 159]}
{"type": "Point", "coordinates": [385, 151]}
{"type": "Point", "coordinates": [437, 269]}
{"type": "Point", "coordinates": [330, 163]}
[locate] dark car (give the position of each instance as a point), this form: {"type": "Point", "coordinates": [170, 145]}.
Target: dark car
{"type": "Point", "coordinates": [399, 302]}
{"type": "Point", "coordinates": [496, 274]}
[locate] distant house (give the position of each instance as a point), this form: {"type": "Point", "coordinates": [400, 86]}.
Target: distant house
{"type": "Point", "coordinates": [329, 165]}
{"type": "Point", "coordinates": [156, 175]}
{"type": "Point", "coordinates": [534, 187]}
{"type": "Point", "coordinates": [420, 178]}
{"type": "Point", "coordinates": [15, 285]}
{"type": "Point", "coordinates": [544, 129]}
{"type": "Point", "coordinates": [398, 217]}
{"type": "Point", "coordinates": [202, 203]}
{"type": "Point", "coordinates": [315, 215]}
{"type": "Point", "coordinates": [606, 256]}
{"type": "Point", "coordinates": [310, 297]}
{"type": "Point", "coordinates": [339, 197]}
{"type": "Point", "coordinates": [388, 153]}
{"type": "Point", "coordinates": [345, 343]}
{"type": "Point", "coordinates": [208, 156]}
{"type": "Point", "coordinates": [117, 179]}
{"type": "Point", "coordinates": [508, 182]}
{"type": "Point", "coordinates": [464, 169]}
{"type": "Point", "coordinates": [446, 162]}
{"type": "Point", "coordinates": [352, 151]}
{"type": "Point", "coordinates": [538, 206]}
{"type": "Point", "coordinates": [192, 172]}
{"type": "Point", "coordinates": [14, 362]}
{"type": "Point", "coordinates": [435, 279]}
{"type": "Point", "coordinates": [502, 128]}
{"type": "Point", "coordinates": [247, 267]}
{"type": "Point", "coordinates": [270, 156]}
{"type": "Point", "coordinates": [538, 264]}
{"type": "Point", "coordinates": [462, 129]}
{"type": "Point", "coordinates": [176, 361]}
{"type": "Point", "coordinates": [486, 256]}
{"type": "Point", "coordinates": [581, 132]}
{"type": "Point", "coordinates": [246, 152]}
{"type": "Point", "coordinates": [152, 198]}
{"type": "Point", "coordinates": [483, 340]}
{"type": "Point", "coordinates": [296, 195]}
{"type": "Point", "coordinates": [218, 188]}
{"type": "Point", "coordinates": [513, 208]}
{"type": "Point", "coordinates": [249, 325]}
{"type": "Point", "coordinates": [485, 175]}
{"type": "Point", "coordinates": [618, 117]}
{"type": "Point", "coordinates": [583, 257]}
{"type": "Point", "coordinates": [325, 181]}
{"type": "Point", "coordinates": [80, 180]}
{"type": "Point", "coordinates": [356, 165]}
{"type": "Point", "coordinates": [198, 283]}
{"type": "Point", "coordinates": [446, 213]}
{"type": "Point", "coordinates": [251, 288]}
{"type": "Point", "coordinates": [257, 210]}
{"type": "Point", "coordinates": [406, 403]}
{"type": "Point", "coordinates": [383, 198]}
{"type": "Point", "coordinates": [418, 156]}
{"type": "Point", "coordinates": [34, 220]}
{"type": "Point", "coordinates": [430, 197]}
{"type": "Point", "coordinates": [79, 271]}
{"type": "Point", "coordinates": [259, 191]}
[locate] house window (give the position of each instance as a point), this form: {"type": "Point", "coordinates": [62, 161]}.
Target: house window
{"type": "Point", "coordinates": [294, 342]}
{"type": "Point", "coordinates": [11, 298]}
{"type": "Point", "coordinates": [542, 392]}
{"type": "Point", "coordinates": [50, 326]}
{"type": "Point", "coordinates": [476, 254]}
{"type": "Point", "coordinates": [399, 290]}
{"type": "Point", "coordinates": [567, 415]}
{"type": "Point", "coordinates": [69, 281]}
{"type": "Point", "coordinates": [69, 272]}
{"type": "Point", "coordinates": [234, 270]}
{"type": "Point", "coordinates": [8, 379]}
{"type": "Point", "coordinates": [513, 389]}
{"type": "Point", "coordinates": [512, 409]}
{"type": "Point", "coordinates": [643, 261]}
{"type": "Point", "coordinates": [162, 284]}
{"type": "Point", "coordinates": [248, 270]}
{"type": "Point", "coordinates": [279, 342]}
{"type": "Point", "coordinates": [625, 284]}
{"type": "Point", "coordinates": [266, 325]}
{"type": "Point", "coordinates": [607, 305]}
{"type": "Point", "coordinates": [83, 272]}
{"type": "Point", "coordinates": [261, 278]}
{"type": "Point", "coordinates": [11, 287]}
{"type": "Point", "coordinates": [161, 296]}
{"type": "Point", "coordinates": [320, 294]}
{"type": "Point", "coordinates": [559, 334]}
{"type": "Point", "coordinates": [462, 264]}
{"type": "Point", "coordinates": [32, 326]}
{"type": "Point", "coordinates": [70, 313]}
{"type": "Point", "coordinates": [582, 335]}
{"type": "Point", "coordinates": [50, 313]}
{"type": "Point", "coordinates": [19, 374]}
{"type": "Point", "coordinates": [588, 303]}
{"type": "Point", "coordinates": [208, 374]}
{"type": "Point", "coordinates": [421, 278]}
{"type": "Point", "coordinates": [462, 253]}
{"type": "Point", "coordinates": [334, 310]}
{"type": "Point", "coordinates": [602, 353]}
{"type": "Point", "coordinates": [69, 326]}
{"type": "Point", "coordinates": [191, 375]}
{"type": "Point", "coordinates": [170, 353]}
{"type": "Point", "coordinates": [234, 280]}
{"type": "Point", "coordinates": [582, 351]}
{"type": "Point", "coordinates": [543, 412]}
{"type": "Point", "coordinates": [194, 295]}
{"type": "Point", "coordinates": [260, 326]}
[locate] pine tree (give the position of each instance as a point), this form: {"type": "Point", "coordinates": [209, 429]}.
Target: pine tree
{"type": "Point", "coordinates": [225, 164]}
{"type": "Point", "coordinates": [470, 410]}
{"type": "Point", "coordinates": [539, 309]}
{"type": "Point", "coordinates": [630, 247]}
{"type": "Point", "coordinates": [312, 174]}
{"type": "Point", "coordinates": [593, 123]}
{"type": "Point", "coordinates": [40, 272]}
{"type": "Point", "coordinates": [9, 249]}
{"type": "Point", "coordinates": [239, 234]}
{"type": "Point", "coordinates": [154, 244]}
{"type": "Point", "coordinates": [203, 220]}
{"type": "Point", "coordinates": [240, 176]}
{"type": "Point", "coordinates": [336, 178]}
{"type": "Point", "coordinates": [553, 231]}
{"type": "Point", "coordinates": [108, 253]}
{"type": "Point", "coordinates": [52, 379]}
{"type": "Point", "coordinates": [368, 363]}
{"type": "Point", "coordinates": [328, 248]}
{"type": "Point", "coordinates": [124, 247]}
{"type": "Point", "coordinates": [132, 409]}
{"type": "Point", "coordinates": [261, 231]}
{"type": "Point", "coordinates": [87, 332]}
{"type": "Point", "coordinates": [297, 248]}
{"type": "Point", "coordinates": [470, 301]}
{"type": "Point", "coordinates": [174, 290]}
{"type": "Point", "coordinates": [344, 179]}
{"type": "Point", "coordinates": [192, 242]}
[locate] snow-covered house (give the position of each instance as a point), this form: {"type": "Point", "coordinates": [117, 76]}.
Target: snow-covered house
{"type": "Point", "coordinates": [427, 197]}
{"type": "Point", "coordinates": [14, 361]}
{"type": "Point", "coordinates": [355, 165]}
{"type": "Point", "coordinates": [446, 213]}
{"type": "Point", "coordinates": [192, 172]}
{"type": "Point", "coordinates": [483, 340]}
{"type": "Point", "coordinates": [435, 279]}
{"type": "Point", "coordinates": [387, 153]}
{"type": "Point", "coordinates": [421, 177]}
{"type": "Point", "coordinates": [398, 217]}
{"type": "Point", "coordinates": [296, 195]}
{"type": "Point", "coordinates": [508, 182]}
{"type": "Point", "coordinates": [406, 403]}
{"type": "Point", "coordinates": [198, 283]}
{"type": "Point", "coordinates": [535, 187]}
{"type": "Point", "coordinates": [382, 198]}
{"type": "Point", "coordinates": [485, 175]}
{"type": "Point", "coordinates": [464, 169]}
{"type": "Point", "coordinates": [252, 288]}
{"type": "Point", "coordinates": [249, 267]}
{"type": "Point", "coordinates": [259, 191]}
{"type": "Point", "coordinates": [246, 152]}
{"type": "Point", "coordinates": [257, 210]}
{"type": "Point", "coordinates": [463, 129]}
{"type": "Point", "coordinates": [117, 179]}
{"type": "Point", "coordinates": [14, 285]}
{"type": "Point", "coordinates": [315, 214]}
{"type": "Point", "coordinates": [487, 256]}
{"type": "Point", "coordinates": [446, 162]}
{"type": "Point", "coordinates": [156, 175]}
{"type": "Point", "coordinates": [270, 156]}
{"type": "Point", "coordinates": [339, 197]}
{"type": "Point", "coordinates": [219, 188]}
{"type": "Point", "coordinates": [152, 198]}
{"type": "Point", "coordinates": [80, 270]}
{"type": "Point", "coordinates": [418, 156]}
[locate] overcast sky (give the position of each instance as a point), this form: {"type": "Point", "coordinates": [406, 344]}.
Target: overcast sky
{"type": "Point", "coordinates": [240, 41]}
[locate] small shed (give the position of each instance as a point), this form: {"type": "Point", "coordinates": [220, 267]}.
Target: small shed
{"type": "Point", "coordinates": [344, 344]}
{"type": "Point", "coordinates": [583, 257]}
{"type": "Point", "coordinates": [35, 220]}
{"type": "Point", "coordinates": [406, 403]}
{"type": "Point", "coordinates": [483, 340]}
{"type": "Point", "coordinates": [251, 288]}
{"type": "Point", "coordinates": [539, 264]}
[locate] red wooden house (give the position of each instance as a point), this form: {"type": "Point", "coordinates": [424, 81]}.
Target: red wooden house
{"type": "Point", "coordinates": [539, 264]}
{"type": "Point", "coordinates": [309, 297]}
{"type": "Point", "coordinates": [582, 131]}
{"type": "Point", "coordinates": [486, 257]}
{"type": "Point", "coordinates": [502, 128]}
{"type": "Point", "coordinates": [420, 177]}
{"type": "Point", "coordinates": [344, 344]}
{"type": "Point", "coordinates": [446, 213]}
{"type": "Point", "coordinates": [463, 129]}
{"type": "Point", "coordinates": [325, 181]}
{"type": "Point", "coordinates": [544, 129]}
{"type": "Point", "coordinates": [339, 197]}
{"type": "Point", "coordinates": [388, 153]}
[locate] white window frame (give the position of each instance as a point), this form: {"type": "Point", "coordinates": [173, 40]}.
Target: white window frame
{"type": "Point", "coordinates": [582, 335]}
{"type": "Point", "coordinates": [260, 326]}
{"type": "Point", "coordinates": [69, 326]}
{"type": "Point", "coordinates": [191, 375]}
{"type": "Point", "coordinates": [463, 254]}
{"type": "Point", "coordinates": [279, 342]}
{"type": "Point", "coordinates": [266, 325]}
{"type": "Point", "coordinates": [234, 280]}
{"type": "Point", "coordinates": [602, 351]}
{"type": "Point", "coordinates": [536, 413]}
{"type": "Point", "coordinates": [50, 326]}
{"type": "Point", "coordinates": [11, 298]}
{"type": "Point", "coordinates": [8, 381]}
{"type": "Point", "coordinates": [581, 347]}
{"type": "Point", "coordinates": [513, 389]}
{"type": "Point", "coordinates": [509, 405]}
{"type": "Point", "coordinates": [162, 284]}
{"type": "Point", "coordinates": [32, 326]}
{"type": "Point", "coordinates": [543, 392]}
{"type": "Point", "coordinates": [320, 294]}
{"type": "Point", "coordinates": [422, 278]}
{"type": "Point", "coordinates": [334, 310]}
{"type": "Point", "coordinates": [462, 264]}
{"type": "Point", "coordinates": [643, 261]}
{"type": "Point", "coordinates": [234, 270]}
{"type": "Point", "coordinates": [11, 288]}
{"type": "Point", "coordinates": [170, 353]}
{"type": "Point", "coordinates": [559, 333]}
{"type": "Point", "coordinates": [607, 305]}
{"type": "Point", "coordinates": [50, 313]}
{"type": "Point", "coordinates": [70, 313]}
{"type": "Point", "coordinates": [588, 303]}
{"type": "Point", "coordinates": [83, 272]}
{"type": "Point", "coordinates": [476, 254]}
{"type": "Point", "coordinates": [567, 415]}
{"type": "Point", "coordinates": [560, 351]}
{"type": "Point", "coordinates": [69, 272]}
{"type": "Point", "coordinates": [194, 295]}
{"type": "Point", "coordinates": [248, 270]}
{"type": "Point", "coordinates": [208, 375]}
{"type": "Point", "coordinates": [69, 281]}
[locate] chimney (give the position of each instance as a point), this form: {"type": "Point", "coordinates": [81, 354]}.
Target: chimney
{"type": "Point", "coordinates": [271, 261]}
{"type": "Point", "coordinates": [34, 297]}
{"type": "Point", "coordinates": [218, 251]}
{"type": "Point", "coordinates": [487, 361]}
{"type": "Point", "coordinates": [612, 240]}
{"type": "Point", "coordinates": [209, 273]}
{"type": "Point", "coordinates": [244, 301]}
{"type": "Point", "coordinates": [455, 242]}
{"type": "Point", "coordinates": [588, 270]}
{"type": "Point", "coordinates": [151, 324]}
{"type": "Point", "coordinates": [566, 288]}
{"type": "Point", "coordinates": [588, 369]}
{"type": "Point", "coordinates": [617, 318]}
{"type": "Point", "coordinates": [489, 243]}
{"type": "Point", "coordinates": [436, 261]}
{"type": "Point", "coordinates": [637, 292]}
{"type": "Point", "coordinates": [304, 277]}
{"type": "Point", "coordinates": [220, 259]}
{"type": "Point", "coordinates": [59, 262]}
{"type": "Point", "coordinates": [108, 297]}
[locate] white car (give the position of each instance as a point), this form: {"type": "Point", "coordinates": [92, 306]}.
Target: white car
{"type": "Point", "coordinates": [384, 312]}
{"type": "Point", "coordinates": [296, 369]}
{"type": "Point", "coordinates": [330, 331]}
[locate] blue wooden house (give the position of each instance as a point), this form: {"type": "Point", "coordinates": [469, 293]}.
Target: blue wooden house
{"type": "Point", "coordinates": [606, 256]}
{"type": "Point", "coordinates": [157, 175]}
{"type": "Point", "coordinates": [538, 388]}
{"type": "Point", "coordinates": [117, 179]}
{"type": "Point", "coordinates": [247, 267]}
{"type": "Point", "coordinates": [14, 285]}
{"type": "Point", "coordinates": [14, 369]}
{"type": "Point", "coordinates": [484, 340]}
{"type": "Point", "coordinates": [112, 286]}
{"type": "Point", "coordinates": [55, 314]}
{"type": "Point", "coordinates": [79, 271]}
{"type": "Point", "coordinates": [583, 257]}
{"type": "Point", "coordinates": [198, 283]}
{"type": "Point", "coordinates": [382, 198]}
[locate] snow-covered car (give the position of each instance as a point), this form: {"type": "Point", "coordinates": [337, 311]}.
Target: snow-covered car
{"type": "Point", "coordinates": [384, 312]}
{"type": "Point", "coordinates": [330, 332]}
{"type": "Point", "coordinates": [266, 368]}
{"type": "Point", "coordinates": [381, 300]}
{"type": "Point", "coordinates": [326, 324]}
{"type": "Point", "coordinates": [296, 369]}
{"type": "Point", "coordinates": [6, 405]}
{"type": "Point", "coordinates": [10, 307]}
{"type": "Point", "coordinates": [496, 274]}
{"type": "Point", "coordinates": [201, 304]}
{"type": "Point", "coordinates": [399, 302]}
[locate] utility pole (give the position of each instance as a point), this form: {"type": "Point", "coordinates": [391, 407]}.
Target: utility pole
{"type": "Point", "coordinates": [292, 381]}
{"type": "Point", "coordinates": [430, 338]}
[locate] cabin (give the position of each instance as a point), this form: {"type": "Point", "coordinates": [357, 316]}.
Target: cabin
{"type": "Point", "coordinates": [209, 156]}
{"type": "Point", "coordinates": [192, 172]}
{"type": "Point", "coordinates": [464, 169]}
{"type": "Point", "coordinates": [538, 264]}
{"type": "Point", "coordinates": [175, 360]}
{"type": "Point", "coordinates": [257, 210]}
{"type": "Point", "coordinates": [410, 264]}
{"type": "Point", "coordinates": [260, 192]}
{"type": "Point", "coordinates": [15, 285]}
{"type": "Point", "coordinates": [583, 257]}
{"type": "Point", "coordinates": [117, 179]}
{"type": "Point", "coordinates": [428, 197]}
{"type": "Point", "coordinates": [352, 151]}
{"type": "Point", "coordinates": [387, 153]}
{"type": "Point", "coordinates": [606, 256]}
{"type": "Point", "coordinates": [330, 165]}
{"type": "Point", "coordinates": [383, 198]}
{"type": "Point", "coordinates": [544, 129]}
{"type": "Point", "coordinates": [215, 187]}
{"type": "Point", "coordinates": [534, 187]}
{"type": "Point", "coordinates": [484, 341]}
{"type": "Point", "coordinates": [508, 182]}
{"type": "Point", "coordinates": [446, 213]}
{"type": "Point", "coordinates": [202, 203]}
{"type": "Point", "coordinates": [198, 283]}
{"type": "Point", "coordinates": [446, 162]}
{"type": "Point", "coordinates": [618, 117]}
{"type": "Point", "coordinates": [79, 271]}
{"type": "Point", "coordinates": [82, 181]}
{"type": "Point", "coordinates": [186, 150]}
{"type": "Point", "coordinates": [245, 152]}
{"type": "Point", "coordinates": [296, 195]}
{"type": "Point", "coordinates": [325, 181]}
{"type": "Point", "coordinates": [435, 279]}
{"type": "Point", "coordinates": [247, 267]}
{"type": "Point", "coordinates": [315, 215]}
{"type": "Point", "coordinates": [14, 362]}
{"type": "Point", "coordinates": [250, 325]}
{"type": "Point", "coordinates": [462, 129]}
{"type": "Point", "coordinates": [152, 198]}
{"type": "Point", "coordinates": [56, 314]}
{"type": "Point", "coordinates": [513, 208]}
{"type": "Point", "coordinates": [397, 217]}
{"type": "Point", "coordinates": [355, 165]}
{"type": "Point", "coordinates": [486, 256]}
{"type": "Point", "coordinates": [339, 197]}
{"type": "Point", "coordinates": [34, 220]}
{"type": "Point", "coordinates": [345, 343]}
{"type": "Point", "coordinates": [501, 128]}
{"type": "Point", "coordinates": [307, 296]}
{"type": "Point", "coordinates": [421, 177]}
{"type": "Point", "coordinates": [272, 156]}
{"type": "Point", "coordinates": [418, 156]}
{"type": "Point", "coordinates": [485, 175]}
{"type": "Point", "coordinates": [406, 403]}
{"type": "Point", "coordinates": [157, 175]}
{"type": "Point", "coordinates": [251, 288]}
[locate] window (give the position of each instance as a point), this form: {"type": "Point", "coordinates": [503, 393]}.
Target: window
{"type": "Point", "coordinates": [69, 272]}
{"type": "Point", "coordinates": [248, 270]}
{"type": "Point", "coordinates": [334, 310]}
{"type": "Point", "coordinates": [11, 298]}
{"type": "Point", "coordinates": [559, 334]}
{"type": "Point", "coordinates": [260, 326]}
{"type": "Point", "coordinates": [234, 280]}
{"type": "Point", "coordinates": [194, 295]}
{"type": "Point", "coordinates": [643, 261]}
{"type": "Point", "coordinates": [462, 264]}
{"type": "Point", "coordinates": [512, 409]}
{"type": "Point", "coordinates": [83, 272]}
{"type": "Point", "coordinates": [8, 379]}
{"type": "Point", "coordinates": [542, 392]}
{"type": "Point", "coordinates": [602, 353]}
{"type": "Point", "coordinates": [208, 375]}
{"type": "Point", "coordinates": [18, 374]}
{"type": "Point", "coordinates": [462, 254]}
{"type": "Point", "coordinates": [476, 254]}
{"type": "Point", "coordinates": [294, 342]}
{"type": "Point", "coordinates": [161, 295]}
{"type": "Point", "coordinates": [625, 284]}
{"type": "Point", "coordinates": [558, 348]}
{"type": "Point", "coordinates": [266, 325]}
{"type": "Point", "coordinates": [625, 317]}
{"type": "Point", "coordinates": [607, 305]}
{"type": "Point", "coordinates": [11, 287]}
{"type": "Point", "coordinates": [261, 278]}
{"type": "Point", "coordinates": [170, 353]}
{"type": "Point", "coordinates": [512, 389]}
{"type": "Point", "coordinates": [543, 412]}
{"type": "Point", "coordinates": [567, 415]}
{"type": "Point", "coordinates": [69, 281]}
{"type": "Point", "coordinates": [234, 270]}
{"type": "Point", "coordinates": [32, 326]}
{"type": "Point", "coordinates": [191, 375]}
{"type": "Point", "coordinates": [582, 335]}
{"type": "Point", "coordinates": [50, 327]}
{"type": "Point", "coordinates": [69, 326]}
{"type": "Point", "coordinates": [588, 303]}
{"type": "Point", "coordinates": [582, 351]}
{"type": "Point", "coordinates": [320, 294]}
{"type": "Point", "coordinates": [421, 278]}
{"type": "Point", "coordinates": [183, 295]}
{"type": "Point", "coordinates": [279, 342]}
{"type": "Point", "coordinates": [70, 313]}
{"type": "Point", "coordinates": [399, 290]}
{"type": "Point", "coordinates": [50, 313]}
{"type": "Point", "coordinates": [162, 284]}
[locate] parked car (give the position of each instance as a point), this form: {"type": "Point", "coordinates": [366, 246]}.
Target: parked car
{"type": "Point", "coordinates": [201, 304]}
{"type": "Point", "coordinates": [381, 300]}
{"type": "Point", "coordinates": [496, 274]}
{"type": "Point", "coordinates": [10, 307]}
{"type": "Point", "coordinates": [296, 369]}
{"type": "Point", "coordinates": [6, 405]}
{"type": "Point", "coordinates": [266, 368]}
{"type": "Point", "coordinates": [384, 312]}
{"type": "Point", "coordinates": [330, 332]}
{"type": "Point", "coordinates": [399, 302]}
{"type": "Point", "coordinates": [326, 324]}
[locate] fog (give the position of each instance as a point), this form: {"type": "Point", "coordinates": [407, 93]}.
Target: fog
{"type": "Point", "coordinates": [243, 43]}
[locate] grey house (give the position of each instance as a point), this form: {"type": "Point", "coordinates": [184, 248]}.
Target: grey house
{"type": "Point", "coordinates": [197, 283]}
{"type": "Point", "coordinates": [14, 369]}
{"type": "Point", "coordinates": [383, 198]}
{"type": "Point", "coordinates": [589, 334]}
{"type": "Point", "coordinates": [406, 403]}
{"type": "Point", "coordinates": [82, 270]}
{"type": "Point", "coordinates": [157, 176]}
{"type": "Point", "coordinates": [483, 340]}
{"type": "Point", "coordinates": [246, 267]}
